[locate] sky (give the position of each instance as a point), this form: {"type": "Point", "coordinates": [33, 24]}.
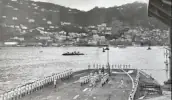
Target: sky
{"type": "Point", "coordinates": [89, 4]}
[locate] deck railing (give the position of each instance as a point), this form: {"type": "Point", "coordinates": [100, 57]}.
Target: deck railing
{"type": "Point", "coordinates": [134, 89]}
{"type": "Point", "coordinates": [116, 66]}
{"type": "Point", "coordinates": [28, 88]}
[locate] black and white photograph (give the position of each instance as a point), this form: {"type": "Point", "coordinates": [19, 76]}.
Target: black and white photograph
{"type": "Point", "coordinates": [85, 49]}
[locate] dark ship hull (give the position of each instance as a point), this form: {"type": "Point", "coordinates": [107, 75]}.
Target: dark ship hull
{"type": "Point", "coordinates": [65, 54]}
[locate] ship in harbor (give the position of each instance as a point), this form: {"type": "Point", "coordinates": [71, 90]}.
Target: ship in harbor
{"type": "Point", "coordinates": [96, 82]}
{"type": "Point", "coordinates": [72, 53]}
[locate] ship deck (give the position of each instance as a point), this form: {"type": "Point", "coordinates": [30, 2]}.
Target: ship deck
{"type": "Point", "coordinates": [71, 89]}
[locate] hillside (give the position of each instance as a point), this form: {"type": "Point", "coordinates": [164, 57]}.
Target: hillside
{"type": "Point", "coordinates": [18, 17]}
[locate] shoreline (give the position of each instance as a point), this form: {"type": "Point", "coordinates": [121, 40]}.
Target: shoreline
{"type": "Point", "coordinates": [81, 46]}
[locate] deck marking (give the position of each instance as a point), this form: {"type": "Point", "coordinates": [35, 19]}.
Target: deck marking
{"type": "Point", "coordinates": [85, 89]}
{"type": "Point", "coordinates": [76, 97]}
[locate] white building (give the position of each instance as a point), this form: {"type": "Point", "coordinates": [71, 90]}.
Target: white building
{"type": "Point", "coordinates": [92, 42]}
{"type": "Point", "coordinates": [10, 43]}
{"type": "Point", "coordinates": [49, 22]}
{"type": "Point", "coordinates": [31, 20]}
{"type": "Point", "coordinates": [102, 38]}
{"type": "Point", "coordinates": [96, 37]}
{"type": "Point", "coordinates": [43, 37]}
{"type": "Point", "coordinates": [18, 38]}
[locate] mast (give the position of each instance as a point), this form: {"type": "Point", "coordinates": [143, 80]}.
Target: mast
{"type": "Point", "coordinates": [170, 58]}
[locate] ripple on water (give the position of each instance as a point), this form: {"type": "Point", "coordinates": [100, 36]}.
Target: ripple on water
{"type": "Point", "coordinates": [26, 64]}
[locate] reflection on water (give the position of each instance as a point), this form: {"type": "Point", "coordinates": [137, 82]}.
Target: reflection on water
{"type": "Point", "coordinates": [20, 65]}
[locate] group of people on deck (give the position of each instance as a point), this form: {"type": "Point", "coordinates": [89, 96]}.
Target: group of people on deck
{"type": "Point", "coordinates": [29, 88]}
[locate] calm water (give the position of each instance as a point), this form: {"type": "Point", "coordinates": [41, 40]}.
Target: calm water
{"type": "Point", "coordinates": [22, 64]}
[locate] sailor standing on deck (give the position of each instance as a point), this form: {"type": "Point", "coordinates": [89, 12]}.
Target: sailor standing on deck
{"type": "Point", "coordinates": [55, 82]}
{"type": "Point", "coordinates": [102, 70]}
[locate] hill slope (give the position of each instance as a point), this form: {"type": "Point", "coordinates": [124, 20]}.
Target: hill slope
{"type": "Point", "coordinates": [19, 17]}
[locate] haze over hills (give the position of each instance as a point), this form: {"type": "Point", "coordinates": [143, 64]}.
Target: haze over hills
{"type": "Point", "coordinates": [18, 17]}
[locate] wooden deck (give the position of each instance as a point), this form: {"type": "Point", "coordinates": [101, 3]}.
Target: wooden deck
{"type": "Point", "coordinates": [72, 90]}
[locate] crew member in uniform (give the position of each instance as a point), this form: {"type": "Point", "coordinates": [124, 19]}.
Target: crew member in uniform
{"type": "Point", "coordinates": [55, 82]}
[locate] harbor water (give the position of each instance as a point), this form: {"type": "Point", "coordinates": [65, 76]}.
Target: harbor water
{"type": "Point", "coordinates": [19, 65]}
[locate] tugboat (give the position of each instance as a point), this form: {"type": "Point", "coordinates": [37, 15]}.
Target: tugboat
{"type": "Point", "coordinates": [149, 48]}
{"type": "Point", "coordinates": [72, 53]}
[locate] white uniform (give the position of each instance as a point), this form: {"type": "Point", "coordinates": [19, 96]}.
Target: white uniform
{"type": "Point", "coordinates": [55, 82]}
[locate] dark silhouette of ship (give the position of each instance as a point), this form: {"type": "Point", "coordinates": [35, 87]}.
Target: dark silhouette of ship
{"type": "Point", "coordinates": [72, 53]}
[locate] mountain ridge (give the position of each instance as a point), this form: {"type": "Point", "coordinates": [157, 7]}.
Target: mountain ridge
{"type": "Point", "coordinates": [23, 16]}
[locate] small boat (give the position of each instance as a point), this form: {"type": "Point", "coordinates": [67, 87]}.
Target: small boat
{"type": "Point", "coordinates": [72, 53]}
{"type": "Point", "coordinates": [149, 48]}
